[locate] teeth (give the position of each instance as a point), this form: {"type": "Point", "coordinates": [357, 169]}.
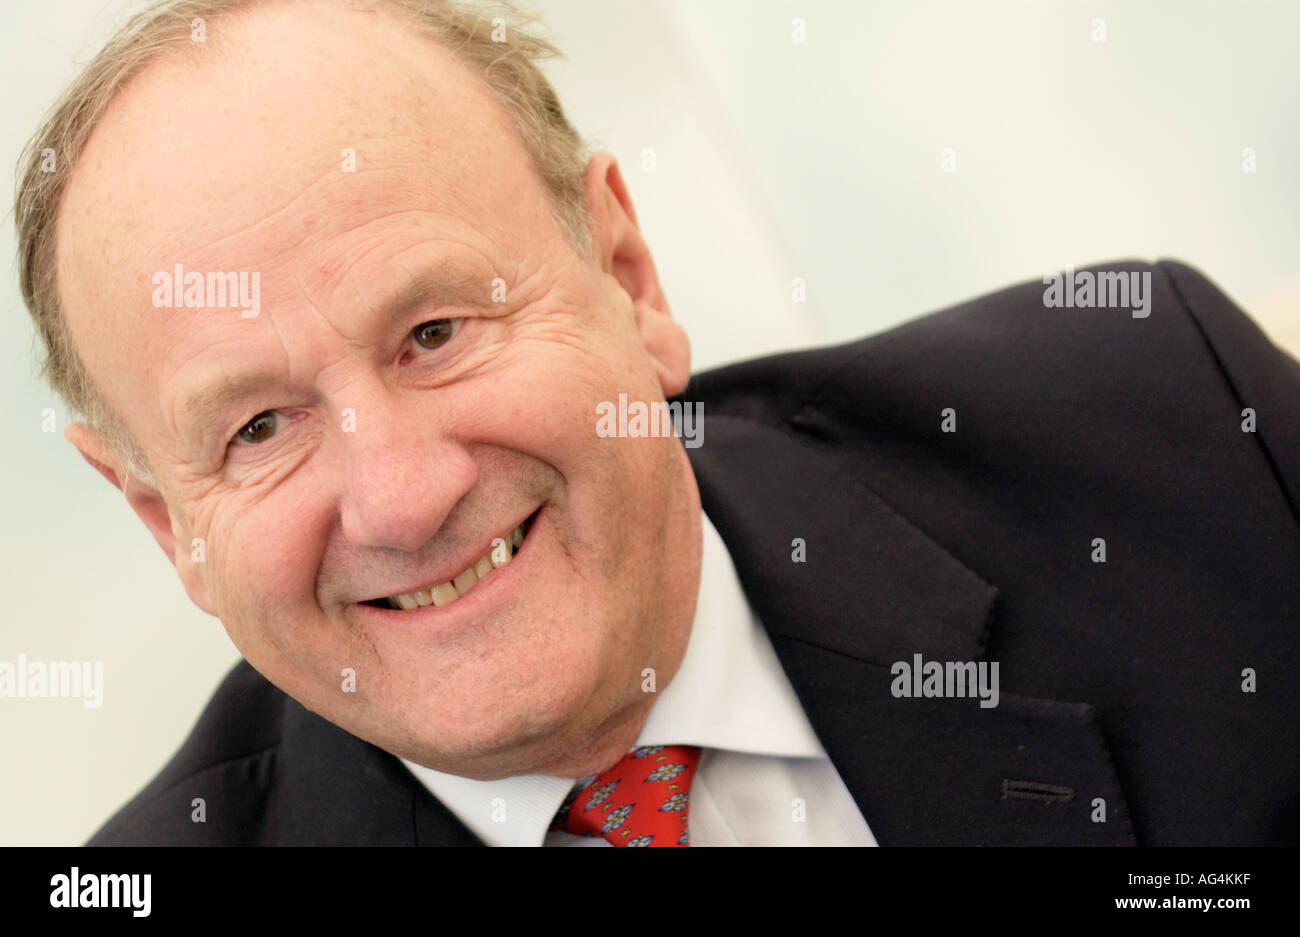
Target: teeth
{"type": "Point", "coordinates": [465, 581]}
{"type": "Point", "coordinates": [498, 555]}
{"type": "Point", "coordinates": [444, 594]}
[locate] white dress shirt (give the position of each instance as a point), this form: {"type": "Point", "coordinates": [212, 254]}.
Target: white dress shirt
{"type": "Point", "coordinates": [763, 779]}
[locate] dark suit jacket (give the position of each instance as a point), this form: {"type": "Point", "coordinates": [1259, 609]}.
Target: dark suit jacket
{"type": "Point", "coordinates": [1120, 681]}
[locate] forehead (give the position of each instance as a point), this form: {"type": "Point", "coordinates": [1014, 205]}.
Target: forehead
{"type": "Point", "coordinates": [236, 157]}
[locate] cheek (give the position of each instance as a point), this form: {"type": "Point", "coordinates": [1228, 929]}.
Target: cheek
{"type": "Point", "coordinates": [543, 411]}
{"type": "Point", "coordinates": [263, 560]}
{"type": "Point", "coordinates": [543, 399]}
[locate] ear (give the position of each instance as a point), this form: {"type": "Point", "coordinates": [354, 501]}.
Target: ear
{"type": "Point", "coordinates": [622, 253]}
{"type": "Point", "coordinates": [148, 504]}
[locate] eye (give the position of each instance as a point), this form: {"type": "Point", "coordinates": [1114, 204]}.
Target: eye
{"type": "Point", "coordinates": [259, 429]}
{"type": "Point", "coordinates": [436, 333]}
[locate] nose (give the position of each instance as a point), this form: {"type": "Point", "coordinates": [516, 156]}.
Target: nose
{"type": "Point", "coordinates": [403, 476]}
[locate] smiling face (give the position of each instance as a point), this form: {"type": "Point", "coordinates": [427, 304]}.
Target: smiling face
{"type": "Point", "coordinates": [421, 378]}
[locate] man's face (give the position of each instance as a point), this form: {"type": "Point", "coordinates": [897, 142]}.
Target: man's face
{"type": "Point", "coordinates": [388, 453]}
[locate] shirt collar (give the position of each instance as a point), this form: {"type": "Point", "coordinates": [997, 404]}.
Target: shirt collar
{"type": "Point", "coordinates": [730, 692]}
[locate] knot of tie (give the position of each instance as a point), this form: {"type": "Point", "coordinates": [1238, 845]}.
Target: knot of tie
{"type": "Point", "coordinates": [642, 801]}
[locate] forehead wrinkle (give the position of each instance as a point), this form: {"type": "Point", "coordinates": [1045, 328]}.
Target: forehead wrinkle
{"type": "Point", "coordinates": [359, 208]}
{"type": "Point", "coordinates": [288, 238]}
{"type": "Point", "coordinates": [443, 280]}
{"type": "Point", "coordinates": [288, 191]}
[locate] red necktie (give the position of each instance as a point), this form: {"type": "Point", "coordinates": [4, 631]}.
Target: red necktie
{"type": "Point", "coordinates": [641, 801]}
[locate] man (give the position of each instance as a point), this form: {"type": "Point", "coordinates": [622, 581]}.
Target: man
{"type": "Point", "coordinates": [1014, 573]}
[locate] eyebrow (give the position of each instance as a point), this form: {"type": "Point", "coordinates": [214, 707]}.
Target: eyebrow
{"type": "Point", "coordinates": [442, 283]}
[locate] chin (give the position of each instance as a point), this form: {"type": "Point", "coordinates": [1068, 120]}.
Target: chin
{"type": "Point", "coordinates": [503, 733]}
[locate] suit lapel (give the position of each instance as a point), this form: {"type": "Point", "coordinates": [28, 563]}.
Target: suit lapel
{"type": "Point", "coordinates": [873, 590]}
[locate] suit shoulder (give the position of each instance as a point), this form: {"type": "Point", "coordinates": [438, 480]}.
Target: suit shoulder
{"type": "Point", "coordinates": [1073, 323]}
{"type": "Point", "coordinates": [228, 759]}
{"type": "Point", "coordinates": [993, 336]}
{"type": "Point", "coordinates": [1180, 367]}
{"type": "Point", "coordinates": [1070, 323]}
{"type": "Point", "coordinates": [1143, 355]}
{"type": "Point", "coordinates": [1133, 333]}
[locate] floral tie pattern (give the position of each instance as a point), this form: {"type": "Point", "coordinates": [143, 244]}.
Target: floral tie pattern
{"type": "Point", "coordinates": [641, 801]}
